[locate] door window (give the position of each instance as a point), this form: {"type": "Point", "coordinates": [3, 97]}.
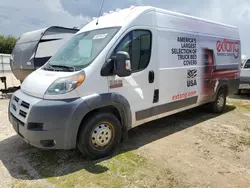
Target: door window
{"type": "Point", "coordinates": [138, 44]}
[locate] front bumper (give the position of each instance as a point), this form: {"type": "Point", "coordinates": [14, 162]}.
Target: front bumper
{"type": "Point", "coordinates": [42, 123]}
{"type": "Point", "coordinates": [244, 83]}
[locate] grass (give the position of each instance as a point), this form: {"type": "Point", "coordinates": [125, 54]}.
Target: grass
{"type": "Point", "coordinates": [242, 107]}
{"type": "Point", "coordinates": [239, 105]}
{"type": "Point", "coordinates": [67, 170]}
{"type": "Point", "coordinates": [114, 172]}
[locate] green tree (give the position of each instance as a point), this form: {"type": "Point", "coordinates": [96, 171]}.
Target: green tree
{"type": "Point", "coordinates": [7, 44]}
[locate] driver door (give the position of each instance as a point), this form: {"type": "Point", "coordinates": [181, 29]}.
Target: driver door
{"type": "Point", "coordinates": [140, 88]}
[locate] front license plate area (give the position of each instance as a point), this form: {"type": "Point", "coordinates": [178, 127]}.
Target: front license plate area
{"type": "Point", "coordinates": [15, 124]}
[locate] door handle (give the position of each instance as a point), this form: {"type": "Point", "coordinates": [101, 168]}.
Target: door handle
{"type": "Point", "coordinates": [151, 76]}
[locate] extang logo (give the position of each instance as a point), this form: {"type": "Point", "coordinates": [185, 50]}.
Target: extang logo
{"type": "Point", "coordinates": [228, 48]}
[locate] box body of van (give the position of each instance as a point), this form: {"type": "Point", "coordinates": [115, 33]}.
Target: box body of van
{"type": "Point", "coordinates": [125, 69]}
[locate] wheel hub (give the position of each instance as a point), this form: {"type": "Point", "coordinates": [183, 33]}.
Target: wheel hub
{"type": "Point", "coordinates": [101, 136]}
{"type": "Point", "coordinates": [220, 101]}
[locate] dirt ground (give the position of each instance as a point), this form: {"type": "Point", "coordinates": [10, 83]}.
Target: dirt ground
{"type": "Point", "coordinates": [190, 149]}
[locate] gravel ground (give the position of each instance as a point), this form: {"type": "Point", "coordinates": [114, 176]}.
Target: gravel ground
{"type": "Point", "coordinates": [190, 149]}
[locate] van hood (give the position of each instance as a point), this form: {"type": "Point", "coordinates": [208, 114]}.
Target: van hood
{"type": "Point", "coordinates": [37, 83]}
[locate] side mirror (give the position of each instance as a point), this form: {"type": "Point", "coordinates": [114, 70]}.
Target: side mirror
{"type": "Point", "coordinates": [122, 64]}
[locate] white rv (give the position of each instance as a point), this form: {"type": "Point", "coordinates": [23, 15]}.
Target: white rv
{"type": "Point", "coordinates": [34, 48]}
{"type": "Point", "coordinates": [127, 68]}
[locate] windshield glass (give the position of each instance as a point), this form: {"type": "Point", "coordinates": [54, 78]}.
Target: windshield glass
{"type": "Point", "coordinates": [247, 64]}
{"type": "Point", "coordinates": [82, 49]}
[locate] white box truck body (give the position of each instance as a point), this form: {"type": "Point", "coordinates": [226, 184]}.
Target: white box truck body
{"type": "Point", "coordinates": [127, 68]}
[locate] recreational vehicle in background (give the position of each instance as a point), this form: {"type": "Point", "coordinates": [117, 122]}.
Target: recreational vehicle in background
{"type": "Point", "coordinates": [127, 68]}
{"type": "Point", "coordinates": [33, 49]}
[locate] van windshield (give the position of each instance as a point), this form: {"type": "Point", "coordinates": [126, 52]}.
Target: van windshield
{"type": "Point", "coordinates": [247, 64]}
{"type": "Point", "coordinates": [81, 50]}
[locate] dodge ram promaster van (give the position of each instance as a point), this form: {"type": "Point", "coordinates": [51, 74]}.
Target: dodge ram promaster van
{"type": "Point", "coordinates": [122, 70]}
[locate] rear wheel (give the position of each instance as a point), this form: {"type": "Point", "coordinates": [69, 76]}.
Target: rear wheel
{"type": "Point", "coordinates": [219, 104]}
{"type": "Point", "coordinates": [99, 135]}
{"type": "Point", "coordinates": [239, 92]}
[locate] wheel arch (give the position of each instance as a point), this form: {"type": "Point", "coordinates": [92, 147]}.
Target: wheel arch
{"type": "Point", "coordinates": [109, 102]}
{"type": "Point", "coordinates": [223, 84]}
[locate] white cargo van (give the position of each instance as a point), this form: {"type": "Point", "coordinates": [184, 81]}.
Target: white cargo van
{"type": "Point", "coordinates": [244, 76]}
{"type": "Point", "coordinates": [127, 68]}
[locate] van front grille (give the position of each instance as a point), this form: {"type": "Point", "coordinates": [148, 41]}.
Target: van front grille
{"type": "Point", "coordinates": [19, 121]}
{"type": "Point", "coordinates": [20, 108]}
{"type": "Point", "coordinates": [16, 99]}
{"type": "Point", "coordinates": [22, 113]}
{"type": "Point", "coordinates": [25, 104]}
{"type": "Point", "coordinates": [14, 107]}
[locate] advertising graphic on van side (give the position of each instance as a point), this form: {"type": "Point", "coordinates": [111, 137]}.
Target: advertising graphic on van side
{"type": "Point", "coordinates": [184, 95]}
{"type": "Point", "coordinates": [228, 48]}
{"type": "Point", "coordinates": [205, 78]}
{"type": "Point", "coordinates": [209, 79]}
{"type": "Point", "coordinates": [191, 78]}
{"type": "Point", "coordinates": [212, 72]}
{"type": "Point", "coordinates": [187, 51]}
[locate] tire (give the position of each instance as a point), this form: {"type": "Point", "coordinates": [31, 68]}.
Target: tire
{"type": "Point", "coordinates": [239, 92]}
{"type": "Point", "coordinates": [99, 135]}
{"type": "Point", "coordinates": [219, 104]}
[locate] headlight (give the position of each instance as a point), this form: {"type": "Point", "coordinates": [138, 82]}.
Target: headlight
{"type": "Point", "coordinates": [65, 85]}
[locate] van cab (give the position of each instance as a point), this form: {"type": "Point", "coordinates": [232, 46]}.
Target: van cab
{"type": "Point", "coordinates": [122, 70]}
{"type": "Point", "coordinates": [245, 76]}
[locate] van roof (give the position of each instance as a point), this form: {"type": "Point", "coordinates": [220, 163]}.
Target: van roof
{"type": "Point", "coordinates": [121, 17]}
{"type": "Point", "coordinates": [192, 17]}
{"type": "Point", "coordinates": [117, 16]}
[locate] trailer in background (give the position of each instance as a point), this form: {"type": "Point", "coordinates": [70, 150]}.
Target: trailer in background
{"type": "Point", "coordinates": [4, 67]}
{"type": "Point", "coordinates": [33, 49]}
{"type": "Point", "coordinates": [4, 63]}
{"type": "Point", "coordinates": [6, 74]}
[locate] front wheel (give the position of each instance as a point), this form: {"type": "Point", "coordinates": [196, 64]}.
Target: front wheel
{"type": "Point", "coordinates": [99, 135]}
{"type": "Point", "coordinates": [219, 104]}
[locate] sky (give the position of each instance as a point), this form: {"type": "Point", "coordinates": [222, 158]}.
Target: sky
{"type": "Point", "coordinates": [19, 16]}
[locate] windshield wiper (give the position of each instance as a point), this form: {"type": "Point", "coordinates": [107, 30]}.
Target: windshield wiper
{"type": "Point", "coordinates": [49, 67]}
{"type": "Point", "coordinates": [64, 67]}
